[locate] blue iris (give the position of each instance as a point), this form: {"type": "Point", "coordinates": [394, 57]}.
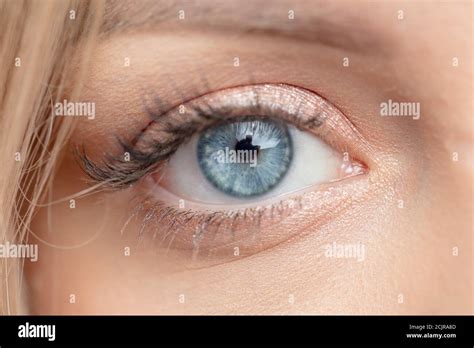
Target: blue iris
{"type": "Point", "coordinates": [246, 158]}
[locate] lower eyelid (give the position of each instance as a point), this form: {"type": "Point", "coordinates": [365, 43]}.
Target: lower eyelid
{"type": "Point", "coordinates": [205, 238]}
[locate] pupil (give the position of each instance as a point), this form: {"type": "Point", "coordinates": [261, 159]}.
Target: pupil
{"type": "Point", "coordinates": [246, 144]}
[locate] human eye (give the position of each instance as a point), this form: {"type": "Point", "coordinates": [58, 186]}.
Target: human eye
{"type": "Point", "coordinates": [209, 175]}
{"type": "Point", "coordinates": [265, 146]}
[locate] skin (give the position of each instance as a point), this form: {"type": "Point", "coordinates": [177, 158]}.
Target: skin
{"type": "Point", "coordinates": [408, 251]}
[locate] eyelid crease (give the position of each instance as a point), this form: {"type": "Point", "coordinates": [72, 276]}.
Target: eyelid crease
{"type": "Point", "coordinates": [167, 131]}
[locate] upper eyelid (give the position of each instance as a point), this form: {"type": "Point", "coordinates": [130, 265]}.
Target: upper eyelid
{"type": "Point", "coordinates": [146, 152]}
{"type": "Point", "coordinates": [311, 113]}
{"type": "Point", "coordinates": [207, 110]}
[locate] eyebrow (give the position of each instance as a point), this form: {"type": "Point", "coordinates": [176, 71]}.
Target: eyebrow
{"type": "Point", "coordinates": [335, 25]}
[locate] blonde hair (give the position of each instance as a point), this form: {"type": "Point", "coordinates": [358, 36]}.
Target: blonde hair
{"type": "Point", "coordinates": [38, 41]}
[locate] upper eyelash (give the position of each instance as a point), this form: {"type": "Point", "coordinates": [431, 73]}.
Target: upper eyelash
{"type": "Point", "coordinates": [117, 173]}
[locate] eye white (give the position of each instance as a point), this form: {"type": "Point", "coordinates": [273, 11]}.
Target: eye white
{"type": "Point", "coordinates": [313, 162]}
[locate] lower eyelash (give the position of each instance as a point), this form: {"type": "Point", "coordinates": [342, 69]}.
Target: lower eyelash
{"type": "Point", "coordinates": [171, 220]}
{"type": "Point", "coordinates": [204, 234]}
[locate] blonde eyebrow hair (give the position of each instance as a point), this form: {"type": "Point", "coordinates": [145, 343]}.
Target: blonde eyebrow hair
{"type": "Point", "coordinates": [320, 22]}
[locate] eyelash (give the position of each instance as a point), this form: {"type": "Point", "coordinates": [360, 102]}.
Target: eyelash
{"type": "Point", "coordinates": [239, 226]}
{"type": "Point", "coordinates": [117, 173]}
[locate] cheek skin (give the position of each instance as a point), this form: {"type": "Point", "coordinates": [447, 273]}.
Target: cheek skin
{"type": "Point", "coordinates": [104, 280]}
